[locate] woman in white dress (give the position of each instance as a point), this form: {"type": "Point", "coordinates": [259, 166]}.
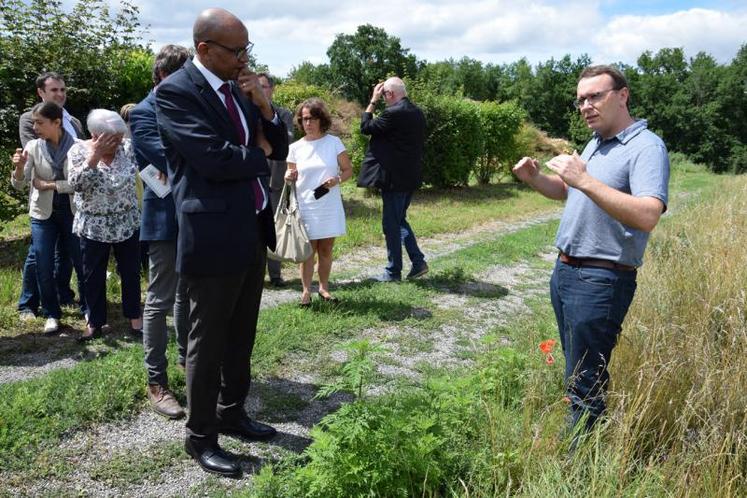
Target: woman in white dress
{"type": "Point", "coordinates": [318, 163]}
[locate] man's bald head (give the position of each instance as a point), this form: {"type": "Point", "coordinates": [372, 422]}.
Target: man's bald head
{"type": "Point", "coordinates": [395, 90]}
{"type": "Point", "coordinates": [212, 22]}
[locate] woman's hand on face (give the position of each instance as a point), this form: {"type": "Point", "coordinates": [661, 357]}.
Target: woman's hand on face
{"type": "Point", "coordinates": [105, 144]}
{"type": "Point", "coordinates": [291, 175]}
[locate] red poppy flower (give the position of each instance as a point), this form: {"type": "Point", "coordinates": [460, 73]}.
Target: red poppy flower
{"type": "Point", "coordinates": [547, 345]}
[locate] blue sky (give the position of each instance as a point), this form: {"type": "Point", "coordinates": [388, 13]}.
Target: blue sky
{"type": "Point", "coordinates": [288, 32]}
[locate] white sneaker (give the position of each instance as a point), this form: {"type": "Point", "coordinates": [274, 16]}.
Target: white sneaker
{"type": "Point", "coordinates": [51, 326]}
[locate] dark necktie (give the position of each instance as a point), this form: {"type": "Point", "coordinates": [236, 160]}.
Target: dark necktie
{"type": "Point", "coordinates": [233, 113]}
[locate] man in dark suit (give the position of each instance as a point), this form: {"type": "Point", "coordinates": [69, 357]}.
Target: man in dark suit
{"type": "Point", "coordinates": [396, 152]}
{"type": "Point", "coordinates": [158, 229]}
{"type": "Point", "coordinates": [50, 87]}
{"type": "Point", "coordinates": [213, 118]}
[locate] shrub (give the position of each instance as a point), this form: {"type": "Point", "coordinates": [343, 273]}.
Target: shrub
{"type": "Point", "coordinates": [500, 125]}
{"type": "Point", "coordinates": [454, 140]}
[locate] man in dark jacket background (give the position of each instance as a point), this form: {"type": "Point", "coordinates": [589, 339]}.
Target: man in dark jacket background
{"type": "Point", "coordinates": [395, 154]}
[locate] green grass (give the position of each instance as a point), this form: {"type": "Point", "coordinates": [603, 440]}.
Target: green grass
{"type": "Point", "coordinates": [38, 413]}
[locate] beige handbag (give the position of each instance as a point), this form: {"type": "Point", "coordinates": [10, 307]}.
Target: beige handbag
{"type": "Point", "coordinates": [292, 241]}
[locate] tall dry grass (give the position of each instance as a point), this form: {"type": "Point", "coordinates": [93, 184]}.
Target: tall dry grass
{"type": "Point", "coordinates": [679, 398]}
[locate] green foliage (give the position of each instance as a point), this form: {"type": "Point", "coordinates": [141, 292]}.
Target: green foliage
{"type": "Point", "coordinates": [400, 445]}
{"type": "Point", "coordinates": [309, 74]}
{"type": "Point", "coordinates": [500, 125]}
{"type": "Point", "coordinates": [96, 50]}
{"type": "Point", "coordinates": [358, 61]}
{"type": "Point", "coordinates": [357, 147]}
{"type": "Point", "coordinates": [454, 139]}
{"type": "Point", "coordinates": [357, 372]}
{"type": "Point", "coordinates": [697, 106]}
{"type": "Point", "coordinates": [291, 93]}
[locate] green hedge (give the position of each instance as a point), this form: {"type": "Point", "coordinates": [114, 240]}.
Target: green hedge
{"type": "Point", "coordinates": [500, 125]}
{"type": "Point", "coordinates": [463, 138]}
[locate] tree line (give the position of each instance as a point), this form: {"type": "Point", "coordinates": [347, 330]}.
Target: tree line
{"type": "Point", "coordinates": [697, 105]}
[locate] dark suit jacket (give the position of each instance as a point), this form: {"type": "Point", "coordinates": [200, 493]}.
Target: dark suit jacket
{"type": "Point", "coordinates": [26, 128]}
{"type": "Point", "coordinates": [211, 174]}
{"type": "Point", "coordinates": [397, 139]}
{"type": "Point", "coordinates": [158, 220]}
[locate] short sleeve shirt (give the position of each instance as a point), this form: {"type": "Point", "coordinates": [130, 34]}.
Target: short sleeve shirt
{"type": "Point", "coordinates": [635, 161]}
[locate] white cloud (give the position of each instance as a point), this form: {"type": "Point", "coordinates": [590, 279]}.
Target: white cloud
{"type": "Point", "coordinates": [287, 32]}
{"type": "Point", "coordinates": [717, 33]}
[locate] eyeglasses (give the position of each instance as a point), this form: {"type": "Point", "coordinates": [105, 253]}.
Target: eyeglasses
{"type": "Point", "coordinates": [592, 99]}
{"type": "Point", "coordinates": [307, 119]}
{"type": "Point", "coordinates": [240, 53]}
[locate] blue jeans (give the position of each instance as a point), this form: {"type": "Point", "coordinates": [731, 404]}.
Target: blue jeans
{"type": "Point", "coordinates": [63, 268]}
{"type": "Point", "coordinates": [590, 305]}
{"type": "Point", "coordinates": [397, 232]}
{"type": "Point", "coordinates": [29, 298]}
{"type": "Point", "coordinates": [48, 234]}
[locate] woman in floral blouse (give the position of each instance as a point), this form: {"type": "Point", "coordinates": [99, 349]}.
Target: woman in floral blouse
{"type": "Point", "coordinates": [102, 173]}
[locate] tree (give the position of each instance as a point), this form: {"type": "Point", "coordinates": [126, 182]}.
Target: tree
{"type": "Point", "coordinates": [358, 61]}
{"type": "Point", "coordinates": [308, 74]}
{"type": "Point", "coordinates": [93, 47]}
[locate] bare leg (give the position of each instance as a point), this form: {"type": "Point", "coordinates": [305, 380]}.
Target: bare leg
{"type": "Point", "coordinates": [324, 250]}
{"type": "Point", "coordinates": [307, 274]}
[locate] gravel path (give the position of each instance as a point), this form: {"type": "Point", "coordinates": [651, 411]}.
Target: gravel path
{"type": "Point", "coordinates": [46, 354]}
{"type": "Point", "coordinates": [138, 440]}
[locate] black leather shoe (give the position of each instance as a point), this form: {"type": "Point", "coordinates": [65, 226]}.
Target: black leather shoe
{"type": "Point", "coordinates": [246, 428]}
{"type": "Point", "coordinates": [213, 459]}
{"type": "Point", "coordinates": [277, 283]}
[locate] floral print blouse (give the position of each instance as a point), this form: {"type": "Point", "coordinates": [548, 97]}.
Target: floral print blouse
{"type": "Point", "coordinates": [105, 197]}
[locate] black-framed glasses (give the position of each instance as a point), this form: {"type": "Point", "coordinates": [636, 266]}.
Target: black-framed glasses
{"type": "Point", "coordinates": [238, 52]}
{"type": "Point", "coordinates": [593, 98]}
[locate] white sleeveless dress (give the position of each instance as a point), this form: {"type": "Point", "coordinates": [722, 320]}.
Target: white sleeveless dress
{"type": "Point", "coordinates": [316, 161]}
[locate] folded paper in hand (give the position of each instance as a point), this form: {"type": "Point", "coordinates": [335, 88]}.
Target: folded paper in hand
{"type": "Point", "coordinates": [149, 175]}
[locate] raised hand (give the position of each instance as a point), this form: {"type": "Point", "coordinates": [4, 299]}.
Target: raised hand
{"type": "Point", "coordinates": [526, 169]}
{"type": "Point", "coordinates": [569, 167]}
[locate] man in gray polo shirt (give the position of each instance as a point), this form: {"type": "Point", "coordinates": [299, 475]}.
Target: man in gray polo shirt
{"type": "Point", "coordinates": [615, 192]}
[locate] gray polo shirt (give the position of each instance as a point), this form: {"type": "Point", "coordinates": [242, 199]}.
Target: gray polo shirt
{"type": "Point", "coordinates": [635, 161]}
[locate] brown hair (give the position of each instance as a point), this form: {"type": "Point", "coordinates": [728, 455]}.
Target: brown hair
{"type": "Point", "coordinates": [618, 78]}
{"type": "Point", "coordinates": [168, 60]}
{"type": "Point", "coordinates": [317, 109]}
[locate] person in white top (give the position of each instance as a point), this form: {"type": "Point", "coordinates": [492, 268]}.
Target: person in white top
{"type": "Point", "coordinates": [318, 163]}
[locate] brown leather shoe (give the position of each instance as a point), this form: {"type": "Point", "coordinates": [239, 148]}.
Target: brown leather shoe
{"type": "Point", "coordinates": [163, 402]}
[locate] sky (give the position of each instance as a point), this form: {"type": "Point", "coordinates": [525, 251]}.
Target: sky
{"type": "Point", "coordinates": [288, 32]}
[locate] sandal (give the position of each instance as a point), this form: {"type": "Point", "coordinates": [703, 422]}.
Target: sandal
{"type": "Point", "coordinates": [305, 304]}
{"type": "Point", "coordinates": [329, 298]}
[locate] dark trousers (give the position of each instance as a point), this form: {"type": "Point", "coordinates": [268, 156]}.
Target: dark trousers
{"type": "Point", "coordinates": [223, 315]}
{"type": "Point", "coordinates": [397, 232]}
{"type": "Point", "coordinates": [590, 305]}
{"type": "Point", "coordinates": [95, 262]}
{"type": "Point", "coordinates": [277, 180]}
